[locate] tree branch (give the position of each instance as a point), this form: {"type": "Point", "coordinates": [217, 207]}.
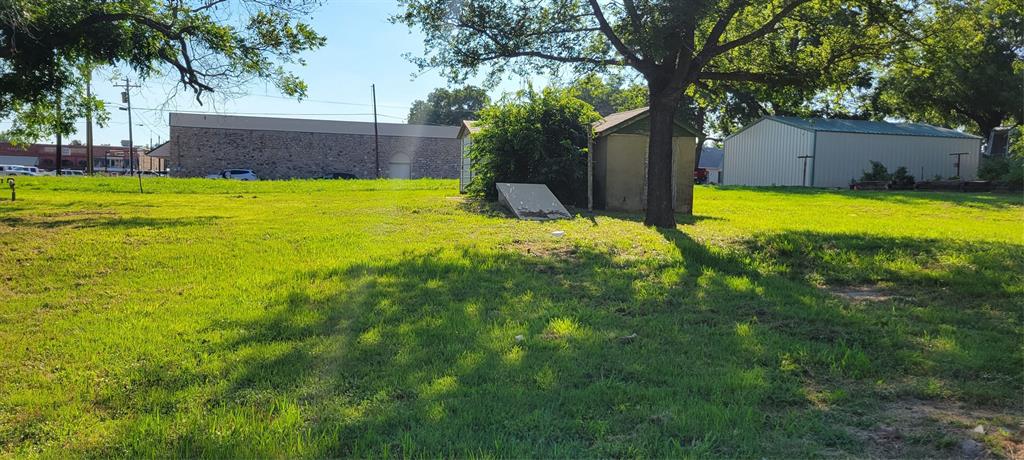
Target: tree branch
{"type": "Point", "coordinates": [628, 55]}
{"type": "Point", "coordinates": [502, 50]}
{"type": "Point", "coordinates": [714, 49]}
{"type": "Point", "coordinates": [746, 76]}
{"type": "Point", "coordinates": [634, 16]}
{"type": "Point", "coordinates": [209, 5]}
{"type": "Point", "coordinates": [723, 22]}
{"type": "Point", "coordinates": [555, 57]}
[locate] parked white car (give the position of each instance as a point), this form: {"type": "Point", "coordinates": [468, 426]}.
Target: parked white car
{"type": "Point", "coordinates": [72, 172]}
{"type": "Point", "coordinates": [236, 174]}
{"type": "Point", "coordinates": [15, 170]}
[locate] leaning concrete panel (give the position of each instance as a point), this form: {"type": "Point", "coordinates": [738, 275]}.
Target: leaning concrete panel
{"type": "Point", "coordinates": [531, 201]}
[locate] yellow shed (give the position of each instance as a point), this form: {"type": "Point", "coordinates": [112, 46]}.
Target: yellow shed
{"type": "Point", "coordinates": [619, 168]}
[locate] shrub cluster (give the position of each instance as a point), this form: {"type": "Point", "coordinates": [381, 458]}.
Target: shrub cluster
{"type": "Point", "coordinates": [879, 173]}
{"type": "Point", "coordinates": [536, 137]}
{"type": "Point", "coordinates": [1008, 169]}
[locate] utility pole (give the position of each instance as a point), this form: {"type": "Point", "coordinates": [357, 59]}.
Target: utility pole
{"type": "Point", "coordinates": [803, 179]}
{"type": "Point", "coordinates": [376, 135]}
{"type": "Point", "coordinates": [60, 114]}
{"type": "Point", "coordinates": [126, 97]}
{"type": "Point", "coordinates": [958, 155]}
{"type": "Point", "coordinates": [88, 123]}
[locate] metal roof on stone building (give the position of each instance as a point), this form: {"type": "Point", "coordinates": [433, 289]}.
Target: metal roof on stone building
{"type": "Point", "coordinates": [193, 120]}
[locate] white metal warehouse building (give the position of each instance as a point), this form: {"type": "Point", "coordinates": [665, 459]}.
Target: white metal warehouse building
{"type": "Point", "coordinates": [830, 153]}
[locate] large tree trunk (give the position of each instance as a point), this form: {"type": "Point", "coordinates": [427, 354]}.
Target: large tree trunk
{"type": "Point", "coordinates": [987, 122]}
{"type": "Point", "coordinates": [986, 126]}
{"type": "Point", "coordinates": [660, 212]}
{"type": "Point", "coordinates": [698, 124]}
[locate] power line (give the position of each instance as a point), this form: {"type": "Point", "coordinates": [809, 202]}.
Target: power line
{"type": "Point", "coordinates": [319, 101]}
{"type": "Point", "coordinates": [265, 113]}
{"type": "Point", "coordinates": [324, 101]}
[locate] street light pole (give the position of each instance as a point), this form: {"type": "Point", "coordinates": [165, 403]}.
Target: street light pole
{"type": "Point", "coordinates": [126, 97]}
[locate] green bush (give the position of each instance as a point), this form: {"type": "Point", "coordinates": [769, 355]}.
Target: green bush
{"type": "Point", "coordinates": [878, 173]}
{"type": "Point", "coordinates": [538, 137]}
{"type": "Point", "coordinates": [901, 178]}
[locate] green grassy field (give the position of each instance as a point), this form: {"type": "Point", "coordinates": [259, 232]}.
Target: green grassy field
{"type": "Point", "coordinates": [362, 318]}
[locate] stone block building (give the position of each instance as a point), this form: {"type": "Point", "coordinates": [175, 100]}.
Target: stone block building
{"type": "Point", "coordinates": [286, 148]}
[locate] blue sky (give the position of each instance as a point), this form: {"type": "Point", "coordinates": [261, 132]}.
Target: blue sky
{"type": "Point", "coordinates": [362, 48]}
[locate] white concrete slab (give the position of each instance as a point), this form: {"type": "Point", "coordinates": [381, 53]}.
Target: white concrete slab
{"type": "Point", "coordinates": [531, 201]}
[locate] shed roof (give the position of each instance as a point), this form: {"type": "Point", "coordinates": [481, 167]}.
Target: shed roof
{"type": "Point", "coordinates": [867, 127]}
{"type": "Point", "coordinates": [194, 120]}
{"type": "Point", "coordinates": [711, 158]}
{"type": "Point", "coordinates": [617, 121]}
{"type": "Point", "coordinates": [469, 127]}
{"type": "Point", "coordinates": [161, 151]}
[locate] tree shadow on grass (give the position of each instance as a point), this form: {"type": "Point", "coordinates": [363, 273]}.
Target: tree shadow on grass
{"type": "Point", "coordinates": [957, 308]}
{"type": "Point", "coordinates": [976, 200]}
{"type": "Point", "coordinates": [101, 220]}
{"type": "Point", "coordinates": [476, 205]}
{"type": "Point", "coordinates": [497, 353]}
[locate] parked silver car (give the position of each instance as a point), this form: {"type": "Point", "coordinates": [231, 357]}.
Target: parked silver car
{"type": "Point", "coordinates": [236, 174]}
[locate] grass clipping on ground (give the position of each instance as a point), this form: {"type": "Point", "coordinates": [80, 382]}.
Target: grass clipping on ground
{"type": "Point", "coordinates": [389, 318]}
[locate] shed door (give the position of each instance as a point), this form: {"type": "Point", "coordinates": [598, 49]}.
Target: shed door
{"type": "Point", "coordinates": [400, 167]}
{"type": "Point", "coordinates": [643, 180]}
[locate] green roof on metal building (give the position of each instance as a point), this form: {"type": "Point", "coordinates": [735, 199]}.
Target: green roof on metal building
{"type": "Point", "coordinates": [870, 127]}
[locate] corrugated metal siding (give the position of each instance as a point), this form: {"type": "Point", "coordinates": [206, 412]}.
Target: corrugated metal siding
{"type": "Point", "coordinates": [845, 156]}
{"type": "Point", "coordinates": [466, 170]}
{"type": "Point", "coordinates": [766, 154]}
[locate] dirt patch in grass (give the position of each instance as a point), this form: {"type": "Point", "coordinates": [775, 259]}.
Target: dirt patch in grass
{"type": "Point", "coordinates": [937, 429]}
{"type": "Point", "coordinates": [475, 205]}
{"type": "Point", "coordinates": [544, 250]}
{"type": "Point", "coordinates": [863, 293]}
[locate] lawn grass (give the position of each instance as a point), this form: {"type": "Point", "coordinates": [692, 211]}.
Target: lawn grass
{"type": "Point", "coordinates": [380, 318]}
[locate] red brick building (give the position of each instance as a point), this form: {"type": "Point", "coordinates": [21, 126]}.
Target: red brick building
{"type": "Point", "coordinates": [105, 157]}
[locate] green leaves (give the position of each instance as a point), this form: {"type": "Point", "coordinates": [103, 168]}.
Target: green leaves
{"type": "Point", "coordinates": [539, 137]}
{"type": "Point", "coordinates": [615, 94]}
{"type": "Point", "coordinates": [200, 41]}
{"type": "Point", "coordinates": [959, 68]}
{"type": "Point", "coordinates": [449, 107]}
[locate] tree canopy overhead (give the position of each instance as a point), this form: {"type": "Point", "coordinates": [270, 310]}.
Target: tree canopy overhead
{"type": "Point", "coordinates": [609, 95]}
{"type": "Point", "coordinates": [47, 47]}
{"type": "Point", "coordinates": [449, 106]}
{"type": "Point", "coordinates": [673, 44]}
{"type": "Point", "coordinates": [962, 66]}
